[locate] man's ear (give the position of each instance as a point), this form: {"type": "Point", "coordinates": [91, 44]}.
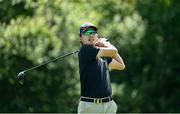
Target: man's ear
{"type": "Point", "coordinates": [80, 38]}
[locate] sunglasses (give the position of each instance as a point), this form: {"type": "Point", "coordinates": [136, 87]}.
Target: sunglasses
{"type": "Point", "coordinates": [89, 32]}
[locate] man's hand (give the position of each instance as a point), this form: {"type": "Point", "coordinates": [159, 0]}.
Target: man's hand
{"type": "Point", "coordinates": [102, 42]}
{"type": "Point", "coordinates": [106, 48]}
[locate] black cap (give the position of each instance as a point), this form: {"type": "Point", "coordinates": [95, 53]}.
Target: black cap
{"type": "Point", "coordinates": [83, 27]}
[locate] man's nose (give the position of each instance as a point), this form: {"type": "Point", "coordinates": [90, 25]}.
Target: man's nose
{"type": "Point", "coordinates": [91, 36]}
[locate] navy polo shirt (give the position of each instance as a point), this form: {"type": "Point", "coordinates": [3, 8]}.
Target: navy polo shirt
{"type": "Point", "coordinates": [94, 73]}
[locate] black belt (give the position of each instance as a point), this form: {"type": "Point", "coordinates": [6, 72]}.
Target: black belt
{"type": "Point", "coordinates": [96, 100]}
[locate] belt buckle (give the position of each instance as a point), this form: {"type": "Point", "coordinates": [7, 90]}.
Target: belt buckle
{"type": "Point", "coordinates": [109, 98]}
{"type": "Point", "coordinates": [97, 100]}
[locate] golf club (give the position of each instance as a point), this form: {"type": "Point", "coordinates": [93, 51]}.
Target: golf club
{"type": "Point", "coordinates": [21, 74]}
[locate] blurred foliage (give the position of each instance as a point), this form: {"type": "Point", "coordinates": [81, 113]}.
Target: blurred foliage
{"type": "Point", "coordinates": [146, 33]}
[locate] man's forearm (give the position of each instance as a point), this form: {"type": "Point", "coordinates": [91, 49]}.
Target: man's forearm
{"type": "Point", "coordinates": [118, 58]}
{"type": "Point", "coordinates": [117, 63]}
{"type": "Point", "coordinates": [106, 49]}
{"type": "Point", "coordinates": [108, 45]}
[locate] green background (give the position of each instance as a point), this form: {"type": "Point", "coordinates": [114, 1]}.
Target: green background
{"type": "Point", "coordinates": [145, 32]}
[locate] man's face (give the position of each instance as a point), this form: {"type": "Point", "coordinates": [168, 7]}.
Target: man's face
{"type": "Point", "coordinates": [89, 37]}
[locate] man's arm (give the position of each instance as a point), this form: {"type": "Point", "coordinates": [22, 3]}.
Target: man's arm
{"type": "Point", "coordinates": [117, 63]}
{"type": "Point", "coordinates": [108, 50]}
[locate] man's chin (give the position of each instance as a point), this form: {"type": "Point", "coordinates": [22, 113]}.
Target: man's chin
{"type": "Point", "coordinates": [89, 43]}
{"type": "Point", "coordinates": [92, 43]}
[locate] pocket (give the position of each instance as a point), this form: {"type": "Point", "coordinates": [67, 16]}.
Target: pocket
{"type": "Point", "coordinates": [81, 107]}
{"type": "Point", "coordinates": [115, 106]}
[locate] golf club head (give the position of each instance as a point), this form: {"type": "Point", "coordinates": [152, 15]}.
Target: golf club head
{"type": "Point", "coordinates": [20, 77]}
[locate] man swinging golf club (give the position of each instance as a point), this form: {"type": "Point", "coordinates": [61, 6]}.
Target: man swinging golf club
{"type": "Point", "coordinates": [96, 56]}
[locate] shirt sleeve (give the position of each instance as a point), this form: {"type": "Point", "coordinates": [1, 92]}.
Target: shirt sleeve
{"type": "Point", "coordinates": [89, 52]}
{"type": "Point", "coordinates": [108, 59]}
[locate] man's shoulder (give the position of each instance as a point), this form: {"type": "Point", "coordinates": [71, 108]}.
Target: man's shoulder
{"type": "Point", "coordinates": [88, 48]}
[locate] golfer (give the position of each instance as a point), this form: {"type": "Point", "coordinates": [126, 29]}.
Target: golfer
{"type": "Point", "coordinates": [96, 57]}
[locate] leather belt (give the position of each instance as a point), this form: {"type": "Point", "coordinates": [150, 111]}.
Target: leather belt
{"type": "Point", "coordinates": [96, 100]}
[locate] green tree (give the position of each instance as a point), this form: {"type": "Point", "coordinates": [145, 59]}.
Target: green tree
{"type": "Point", "coordinates": [146, 33]}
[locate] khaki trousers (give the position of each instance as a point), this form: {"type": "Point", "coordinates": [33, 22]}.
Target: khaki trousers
{"type": "Point", "coordinates": [98, 108]}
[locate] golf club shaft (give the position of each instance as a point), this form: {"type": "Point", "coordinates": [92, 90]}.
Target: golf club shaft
{"type": "Point", "coordinates": [44, 63]}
